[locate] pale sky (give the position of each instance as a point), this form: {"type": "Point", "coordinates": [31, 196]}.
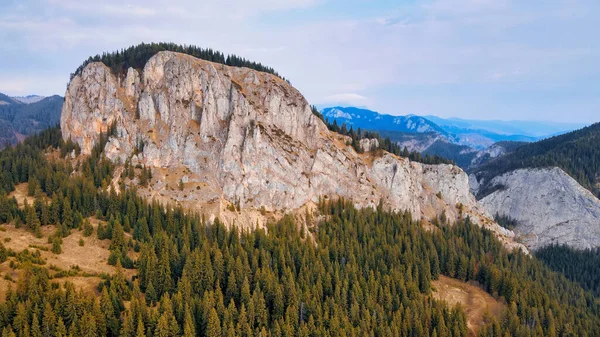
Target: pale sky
{"type": "Point", "coordinates": [483, 59]}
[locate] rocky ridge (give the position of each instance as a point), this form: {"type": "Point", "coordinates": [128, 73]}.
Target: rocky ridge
{"type": "Point", "coordinates": [236, 136]}
{"type": "Point", "coordinates": [549, 206]}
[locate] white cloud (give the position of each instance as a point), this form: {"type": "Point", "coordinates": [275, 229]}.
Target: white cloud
{"type": "Point", "coordinates": [238, 9]}
{"type": "Point", "coordinates": [344, 98]}
{"type": "Point", "coordinates": [22, 85]}
{"type": "Point", "coordinates": [437, 45]}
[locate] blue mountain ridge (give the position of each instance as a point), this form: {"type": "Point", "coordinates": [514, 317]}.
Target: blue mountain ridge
{"type": "Point", "coordinates": [472, 133]}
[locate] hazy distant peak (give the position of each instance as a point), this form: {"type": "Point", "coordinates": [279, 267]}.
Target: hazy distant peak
{"type": "Point", "coordinates": [28, 99]}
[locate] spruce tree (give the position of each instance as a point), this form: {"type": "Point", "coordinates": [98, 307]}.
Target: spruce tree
{"type": "Point", "coordinates": [213, 328]}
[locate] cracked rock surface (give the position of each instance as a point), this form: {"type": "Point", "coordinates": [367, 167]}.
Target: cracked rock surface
{"type": "Point", "coordinates": [249, 138]}
{"type": "Point", "coordinates": [550, 207]}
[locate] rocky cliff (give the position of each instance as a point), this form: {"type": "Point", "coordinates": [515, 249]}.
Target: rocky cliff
{"type": "Point", "coordinates": [549, 206]}
{"type": "Point", "coordinates": [236, 136]}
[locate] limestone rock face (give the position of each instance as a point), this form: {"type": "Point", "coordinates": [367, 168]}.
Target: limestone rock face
{"type": "Point", "coordinates": [243, 137]}
{"type": "Point", "coordinates": [550, 207]}
{"type": "Point", "coordinates": [368, 144]}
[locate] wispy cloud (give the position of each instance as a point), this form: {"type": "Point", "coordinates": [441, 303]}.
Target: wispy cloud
{"type": "Point", "coordinates": [345, 98]}
{"type": "Point", "coordinates": [394, 57]}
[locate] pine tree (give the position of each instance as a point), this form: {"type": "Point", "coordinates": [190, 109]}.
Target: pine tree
{"type": "Point", "coordinates": [127, 328]}
{"type": "Point", "coordinates": [55, 209]}
{"type": "Point", "coordinates": [88, 325]}
{"type": "Point", "coordinates": [48, 321]}
{"type": "Point", "coordinates": [163, 274]}
{"type": "Point", "coordinates": [35, 327]}
{"type": "Point", "coordinates": [33, 222]}
{"type": "Point", "coordinates": [67, 214]}
{"type": "Point", "coordinates": [189, 327]}
{"type": "Point", "coordinates": [162, 328]}
{"type": "Point", "coordinates": [117, 243]}
{"type": "Point", "coordinates": [44, 214]}
{"type": "Point", "coordinates": [151, 296]}
{"type": "Point", "coordinates": [56, 245]}
{"type": "Point", "coordinates": [140, 329]}
{"type": "Point", "coordinates": [61, 329]}
{"type": "Point", "coordinates": [213, 328]}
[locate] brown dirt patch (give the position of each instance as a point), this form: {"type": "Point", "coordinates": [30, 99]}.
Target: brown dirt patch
{"type": "Point", "coordinates": [475, 302]}
{"type": "Point", "coordinates": [89, 284]}
{"type": "Point", "coordinates": [20, 193]}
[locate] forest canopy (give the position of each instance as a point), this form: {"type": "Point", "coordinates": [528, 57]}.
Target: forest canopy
{"type": "Point", "coordinates": [362, 272]}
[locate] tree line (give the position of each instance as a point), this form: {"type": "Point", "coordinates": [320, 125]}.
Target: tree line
{"type": "Point", "coordinates": [137, 56]}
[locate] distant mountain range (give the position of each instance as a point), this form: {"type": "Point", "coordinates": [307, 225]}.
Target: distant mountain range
{"type": "Point", "coordinates": [23, 116]}
{"type": "Point", "coordinates": [477, 134]}
{"type": "Point", "coordinates": [28, 99]}
{"type": "Point", "coordinates": [467, 142]}
{"type": "Point", "coordinates": [535, 129]}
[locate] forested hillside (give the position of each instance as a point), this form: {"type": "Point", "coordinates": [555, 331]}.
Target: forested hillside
{"type": "Point", "coordinates": [581, 266]}
{"type": "Point", "coordinates": [137, 56]}
{"type": "Point", "coordinates": [462, 155]}
{"type": "Point", "coordinates": [577, 153]}
{"type": "Point", "coordinates": [18, 120]}
{"type": "Point", "coordinates": [360, 272]}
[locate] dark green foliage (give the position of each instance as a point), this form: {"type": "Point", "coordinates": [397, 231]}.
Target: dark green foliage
{"type": "Point", "coordinates": [462, 155]}
{"type": "Point", "coordinates": [19, 118]}
{"type": "Point", "coordinates": [137, 56]}
{"type": "Point", "coordinates": [56, 245]}
{"type": "Point", "coordinates": [506, 221]}
{"type": "Point", "coordinates": [145, 176]}
{"type": "Point", "coordinates": [25, 159]}
{"type": "Point", "coordinates": [384, 143]}
{"type": "Point", "coordinates": [581, 266]}
{"type": "Point", "coordinates": [577, 153]}
{"type": "Point", "coordinates": [88, 229]}
{"type": "Point", "coordinates": [3, 253]}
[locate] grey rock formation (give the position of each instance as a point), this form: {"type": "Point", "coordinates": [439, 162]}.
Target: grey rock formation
{"type": "Point", "coordinates": [368, 144]}
{"type": "Point", "coordinates": [550, 206]}
{"type": "Point", "coordinates": [248, 138]}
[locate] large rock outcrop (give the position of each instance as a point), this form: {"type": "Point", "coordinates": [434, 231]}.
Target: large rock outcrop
{"type": "Point", "coordinates": [549, 206]}
{"type": "Point", "coordinates": [243, 137]}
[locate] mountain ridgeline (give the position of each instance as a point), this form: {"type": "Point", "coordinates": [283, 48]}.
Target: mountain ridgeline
{"type": "Point", "coordinates": [468, 143]}
{"type": "Point", "coordinates": [19, 120]}
{"type": "Point", "coordinates": [577, 153]}
{"type": "Point", "coordinates": [462, 132]}
{"type": "Point", "coordinates": [382, 143]}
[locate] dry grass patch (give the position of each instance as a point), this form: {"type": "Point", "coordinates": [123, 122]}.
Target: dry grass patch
{"type": "Point", "coordinates": [475, 301]}
{"type": "Point", "coordinates": [89, 284]}
{"type": "Point", "coordinates": [20, 193]}
{"type": "Point", "coordinates": [90, 259]}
